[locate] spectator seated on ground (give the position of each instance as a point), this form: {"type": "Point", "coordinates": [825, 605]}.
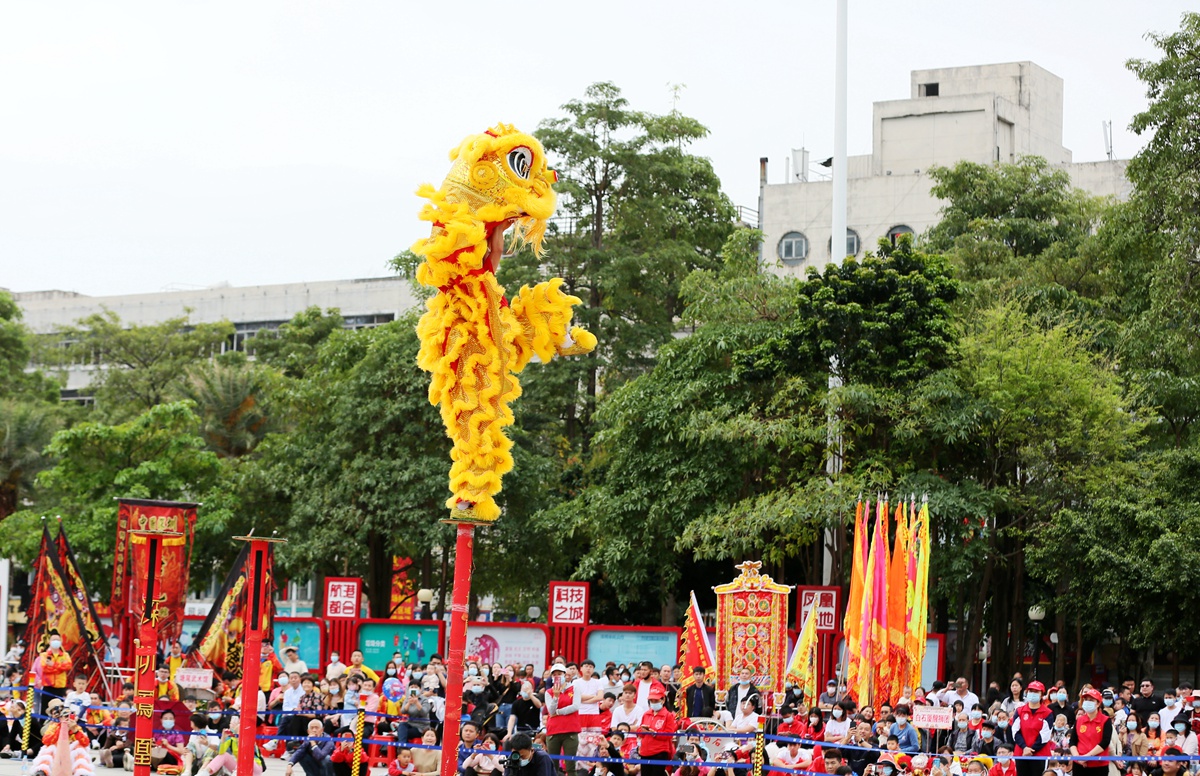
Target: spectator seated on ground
{"type": "Point", "coordinates": [313, 756]}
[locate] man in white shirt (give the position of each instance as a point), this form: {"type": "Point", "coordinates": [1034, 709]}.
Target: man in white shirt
{"type": "Point", "coordinates": [628, 710]}
{"type": "Point", "coordinates": [1171, 707]}
{"type": "Point", "coordinates": [292, 661]}
{"type": "Point", "coordinates": [589, 692]}
{"type": "Point", "coordinates": [746, 720]}
{"type": "Point", "coordinates": [291, 702]}
{"type": "Point", "coordinates": [963, 693]}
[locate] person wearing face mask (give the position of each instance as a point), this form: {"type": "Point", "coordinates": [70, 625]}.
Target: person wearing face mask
{"type": "Point", "coordinates": [743, 687]}
{"type": "Point", "coordinates": [1060, 733]}
{"type": "Point", "coordinates": [1004, 763]}
{"type": "Point", "coordinates": [1092, 734]}
{"type": "Point", "coordinates": [119, 740]}
{"type": "Point", "coordinates": [1193, 710]}
{"type": "Point", "coordinates": [1133, 740]}
{"type": "Point", "coordinates": [478, 705]}
{"type": "Point", "coordinates": [527, 712]}
{"type": "Point", "coordinates": [661, 721]}
{"type": "Point", "coordinates": [170, 746]}
{"type": "Point", "coordinates": [815, 729]}
{"type": "Point", "coordinates": [562, 714]}
{"type": "Point", "coordinates": [1060, 704]}
{"type": "Point", "coordinates": [414, 716]}
{"type": "Point", "coordinates": [56, 667]}
{"type": "Point", "coordinates": [987, 738]}
{"type": "Point", "coordinates": [1185, 739]}
{"type": "Point", "coordinates": [1031, 731]}
{"type": "Point", "coordinates": [962, 739]}
{"type": "Point", "coordinates": [336, 667]}
{"type": "Point", "coordinates": [1004, 733]}
{"type": "Point", "coordinates": [528, 761]}
{"type": "Point", "coordinates": [905, 733]}
{"type": "Point", "coordinates": [886, 765]}
{"type": "Point", "coordinates": [837, 728]}
{"type": "Point", "coordinates": [1171, 707]}
{"type": "Point", "coordinates": [790, 723]}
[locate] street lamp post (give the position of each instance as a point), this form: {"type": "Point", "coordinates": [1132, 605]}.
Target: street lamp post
{"type": "Point", "coordinates": [1037, 613]}
{"type": "Point", "coordinates": [534, 613]}
{"type": "Point", "coordinates": [424, 597]}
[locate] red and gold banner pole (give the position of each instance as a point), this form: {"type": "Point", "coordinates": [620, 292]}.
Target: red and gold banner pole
{"type": "Point", "coordinates": [259, 565]}
{"type": "Point", "coordinates": [464, 552]}
{"type": "Point", "coordinates": [145, 651]}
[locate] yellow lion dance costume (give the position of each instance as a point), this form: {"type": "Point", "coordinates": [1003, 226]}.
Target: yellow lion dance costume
{"type": "Point", "coordinates": [473, 342]}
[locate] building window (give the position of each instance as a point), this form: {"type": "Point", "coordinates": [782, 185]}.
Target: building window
{"type": "Point", "coordinates": [793, 248]}
{"type": "Point", "coordinates": [897, 230]}
{"type": "Point", "coordinates": [928, 90]}
{"type": "Point", "coordinates": [852, 244]}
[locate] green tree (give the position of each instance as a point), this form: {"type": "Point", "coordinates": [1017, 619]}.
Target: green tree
{"type": "Point", "coordinates": [139, 367]}
{"type": "Point", "coordinates": [293, 347]}
{"type": "Point", "coordinates": [637, 213]}
{"type": "Point", "coordinates": [1037, 421]}
{"type": "Point", "coordinates": [1161, 346]}
{"type": "Point", "coordinates": [159, 454]}
{"type": "Point", "coordinates": [1023, 232]}
{"type": "Point", "coordinates": [14, 345]}
{"type": "Point", "coordinates": [25, 430]}
{"type": "Point", "coordinates": [655, 469]}
{"type": "Point", "coordinates": [366, 466]}
{"type": "Point", "coordinates": [230, 397]}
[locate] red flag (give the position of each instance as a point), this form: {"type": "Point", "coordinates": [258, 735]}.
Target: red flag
{"type": "Point", "coordinates": [161, 516]}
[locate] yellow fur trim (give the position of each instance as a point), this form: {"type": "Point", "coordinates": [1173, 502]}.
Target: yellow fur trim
{"type": "Point", "coordinates": [471, 343]}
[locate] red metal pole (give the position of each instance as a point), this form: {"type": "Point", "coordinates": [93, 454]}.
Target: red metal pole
{"type": "Point", "coordinates": [260, 565]}
{"type": "Point", "coordinates": [145, 651]}
{"type": "Point", "coordinates": [464, 551]}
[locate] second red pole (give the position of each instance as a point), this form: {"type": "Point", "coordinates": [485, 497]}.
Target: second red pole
{"type": "Point", "coordinates": [464, 553]}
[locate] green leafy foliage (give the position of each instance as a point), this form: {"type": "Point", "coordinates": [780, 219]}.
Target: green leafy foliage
{"type": "Point", "coordinates": [142, 366]}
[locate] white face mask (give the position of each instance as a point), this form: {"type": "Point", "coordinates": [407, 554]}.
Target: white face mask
{"type": "Point", "coordinates": [655, 706]}
{"type": "Point", "coordinates": [55, 643]}
{"type": "Point", "coordinates": [837, 713]}
{"type": "Point", "coordinates": [333, 658]}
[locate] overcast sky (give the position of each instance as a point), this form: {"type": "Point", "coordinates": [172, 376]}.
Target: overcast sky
{"type": "Point", "coordinates": [184, 144]}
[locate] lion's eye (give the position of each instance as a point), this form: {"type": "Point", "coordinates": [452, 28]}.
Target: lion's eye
{"type": "Point", "coordinates": [520, 159]}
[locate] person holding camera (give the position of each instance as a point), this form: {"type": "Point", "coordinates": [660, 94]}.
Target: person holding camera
{"type": "Point", "coordinates": [524, 760]}
{"type": "Point", "coordinates": [414, 713]}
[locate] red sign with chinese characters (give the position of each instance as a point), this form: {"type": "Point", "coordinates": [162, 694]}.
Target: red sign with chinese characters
{"type": "Point", "coordinates": [569, 603]}
{"type": "Point", "coordinates": [342, 595]}
{"type": "Point", "coordinates": [826, 599]}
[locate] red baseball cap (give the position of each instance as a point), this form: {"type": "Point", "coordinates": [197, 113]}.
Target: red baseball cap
{"type": "Point", "coordinates": [1036, 686]}
{"type": "Point", "coordinates": [656, 692]}
{"type": "Point", "coordinates": [1093, 693]}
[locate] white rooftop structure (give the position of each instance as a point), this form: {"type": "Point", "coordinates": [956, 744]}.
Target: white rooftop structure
{"type": "Point", "coordinates": [984, 114]}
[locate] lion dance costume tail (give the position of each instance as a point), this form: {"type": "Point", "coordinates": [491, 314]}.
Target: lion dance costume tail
{"type": "Point", "coordinates": [473, 341]}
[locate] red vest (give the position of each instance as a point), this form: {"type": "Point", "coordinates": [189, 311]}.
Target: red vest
{"type": "Point", "coordinates": [1030, 723]}
{"type": "Point", "coordinates": [557, 724]}
{"type": "Point", "coordinates": [1090, 732]}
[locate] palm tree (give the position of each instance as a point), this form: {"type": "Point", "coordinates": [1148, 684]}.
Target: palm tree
{"type": "Point", "coordinates": [25, 430]}
{"type": "Point", "coordinates": [229, 400]}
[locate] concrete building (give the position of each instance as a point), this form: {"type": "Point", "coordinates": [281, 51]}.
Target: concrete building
{"type": "Point", "coordinates": [363, 303]}
{"type": "Point", "coordinates": [983, 114]}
